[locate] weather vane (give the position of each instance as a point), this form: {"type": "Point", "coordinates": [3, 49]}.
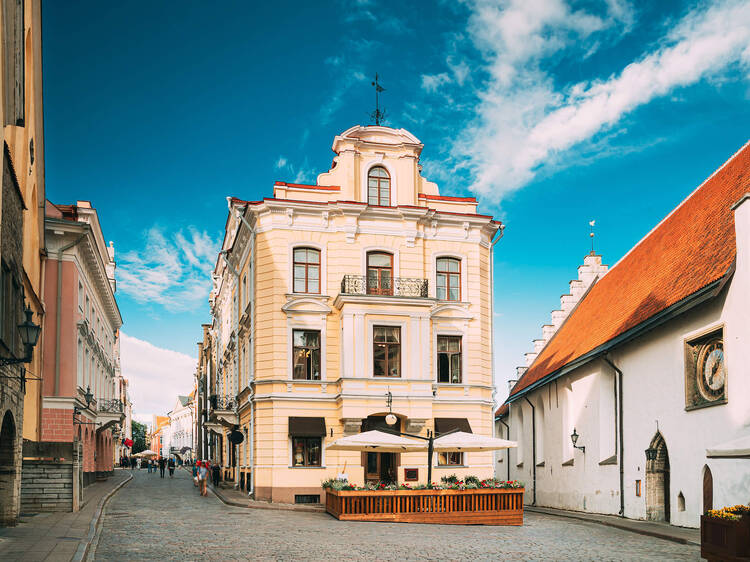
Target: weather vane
{"type": "Point", "coordinates": [378, 115]}
{"type": "Point", "coordinates": [591, 235]}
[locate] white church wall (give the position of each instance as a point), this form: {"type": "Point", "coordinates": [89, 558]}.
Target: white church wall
{"type": "Point", "coordinates": [654, 392]}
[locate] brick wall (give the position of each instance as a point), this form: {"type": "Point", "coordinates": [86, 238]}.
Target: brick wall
{"type": "Point", "coordinates": [57, 424]}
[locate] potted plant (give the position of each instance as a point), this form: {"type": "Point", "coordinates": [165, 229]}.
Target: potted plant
{"type": "Point", "coordinates": [725, 533]}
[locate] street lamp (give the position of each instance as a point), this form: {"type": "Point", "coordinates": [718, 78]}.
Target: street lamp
{"type": "Point", "coordinates": [390, 418]}
{"type": "Point", "coordinates": [29, 334]}
{"type": "Point", "coordinates": [574, 438]}
{"type": "Point", "coordinates": [88, 397]}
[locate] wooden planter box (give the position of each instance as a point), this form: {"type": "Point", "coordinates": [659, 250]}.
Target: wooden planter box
{"type": "Point", "coordinates": [487, 506]}
{"type": "Point", "coordinates": [725, 540]}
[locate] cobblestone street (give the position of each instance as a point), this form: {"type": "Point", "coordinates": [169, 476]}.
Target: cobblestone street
{"type": "Point", "coordinates": [154, 518]}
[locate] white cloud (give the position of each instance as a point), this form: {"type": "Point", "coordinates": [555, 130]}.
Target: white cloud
{"type": "Point", "coordinates": [172, 271]}
{"type": "Point", "coordinates": [156, 376]}
{"type": "Point", "coordinates": [433, 82]}
{"type": "Point", "coordinates": [281, 162]}
{"type": "Point", "coordinates": [525, 121]}
{"type": "Point", "coordinates": [294, 174]}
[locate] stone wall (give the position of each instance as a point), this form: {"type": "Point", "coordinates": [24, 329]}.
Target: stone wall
{"type": "Point", "coordinates": [51, 477]}
{"type": "Point", "coordinates": [47, 486]}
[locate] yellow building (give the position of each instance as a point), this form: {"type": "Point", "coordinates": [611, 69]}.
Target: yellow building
{"type": "Point", "coordinates": [326, 298]}
{"type": "Point", "coordinates": [22, 240]}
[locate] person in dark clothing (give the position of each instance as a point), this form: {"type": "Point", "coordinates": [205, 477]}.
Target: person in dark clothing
{"type": "Point", "coordinates": [171, 467]}
{"type": "Point", "coordinates": [215, 473]}
{"type": "Point", "coordinates": [133, 462]}
{"type": "Point", "coordinates": [162, 466]}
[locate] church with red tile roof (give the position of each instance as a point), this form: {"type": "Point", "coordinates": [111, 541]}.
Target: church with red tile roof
{"type": "Point", "coordinates": [636, 400]}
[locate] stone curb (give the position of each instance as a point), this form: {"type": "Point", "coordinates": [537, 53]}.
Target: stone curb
{"type": "Point", "coordinates": [85, 544]}
{"type": "Point", "coordinates": [615, 524]}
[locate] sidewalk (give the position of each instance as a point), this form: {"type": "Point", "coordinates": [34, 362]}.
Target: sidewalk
{"type": "Point", "coordinates": [59, 536]}
{"type": "Point", "coordinates": [682, 535]}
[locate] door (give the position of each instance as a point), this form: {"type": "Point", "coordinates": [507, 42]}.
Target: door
{"type": "Point", "coordinates": [380, 467]}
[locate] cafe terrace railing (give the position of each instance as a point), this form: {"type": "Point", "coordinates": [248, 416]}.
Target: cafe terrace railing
{"type": "Point", "coordinates": [390, 286]}
{"type": "Point", "coordinates": [485, 506]}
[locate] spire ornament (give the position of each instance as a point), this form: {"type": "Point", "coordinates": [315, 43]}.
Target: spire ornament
{"type": "Point", "coordinates": [378, 115]}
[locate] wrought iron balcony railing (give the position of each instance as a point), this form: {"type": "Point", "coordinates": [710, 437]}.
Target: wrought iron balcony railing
{"type": "Point", "coordinates": [113, 406]}
{"type": "Point", "coordinates": [223, 402]}
{"type": "Point", "coordinates": [398, 286]}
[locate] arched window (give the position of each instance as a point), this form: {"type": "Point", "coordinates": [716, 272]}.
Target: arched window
{"type": "Point", "coordinates": [379, 273]}
{"type": "Point", "coordinates": [378, 187]}
{"type": "Point", "coordinates": [448, 279]}
{"type": "Point", "coordinates": [306, 270]}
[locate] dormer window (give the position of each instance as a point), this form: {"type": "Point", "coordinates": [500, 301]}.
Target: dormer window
{"type": "Point", "coordinates": [378, 187]}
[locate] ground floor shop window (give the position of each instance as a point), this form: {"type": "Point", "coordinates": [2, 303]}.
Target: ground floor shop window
{"type": "Point", "coordinates": [450, 458]}
{"type": "Point", "coordinates": [306, 451]}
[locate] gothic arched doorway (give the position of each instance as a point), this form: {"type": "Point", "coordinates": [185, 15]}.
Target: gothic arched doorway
{"type": "Point", "coordinates": [708, 489]}
{"type": "Point", "coordinates": [657, 480]}
{"type": "Point", "coordinates": [8, 471]}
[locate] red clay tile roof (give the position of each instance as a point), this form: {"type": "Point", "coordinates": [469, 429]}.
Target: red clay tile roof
{"type": "Point", "coordinates": [690, 249]}
{"type": "Point", "coordinates": [502, 410]}
{"type": "Point", "coordinates": [447, 198]}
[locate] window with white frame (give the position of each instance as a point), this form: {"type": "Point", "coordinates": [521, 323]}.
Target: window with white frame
{"type": "Point", "coordinates": [378, 187]}
{"type": "Point", "coordinates": [448, 279]}
{"type": "Point", "coordinates": [306, 270]}
{"type": "Point", "coordinates": [386, 351]}
{"type": "Point", "coordinates": [449, 359]}
{"type": "Point", "coordinates": [306, 355]}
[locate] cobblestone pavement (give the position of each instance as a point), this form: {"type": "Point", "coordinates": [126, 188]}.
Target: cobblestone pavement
{"type": "Point", "coordinates": [152, 518]}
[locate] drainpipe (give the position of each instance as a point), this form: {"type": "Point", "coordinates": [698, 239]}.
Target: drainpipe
{"type": "Point", "coordinates": [618, 421]}
{"type": "Point", "coordinates": [241, 215]}
{"type": "Point", "coordinates": [507, 450]}
{"type": "Point", "coordinates": [58, 308]}
{"type": "Point", "coordinates": [533, 445]}
{"type": "Point", "coordinates": [501, 230]}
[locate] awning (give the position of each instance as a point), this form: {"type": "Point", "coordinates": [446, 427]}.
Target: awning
{"type": "Point", "coordinates": [462, 441]}
{"type": "Point", "coordinates": [307, 427]}
{"type": "Point", "coordinates": [735, 449]}
{"type": "Point", "coordinates": [377, 441]}
{"type": "Point", "coordinates": [444, 425]}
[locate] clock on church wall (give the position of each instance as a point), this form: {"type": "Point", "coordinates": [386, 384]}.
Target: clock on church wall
{"type": "Point", "coordinates": [705, 371]}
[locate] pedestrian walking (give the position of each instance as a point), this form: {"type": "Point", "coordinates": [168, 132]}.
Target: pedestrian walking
{"type": "Point", "coordinates": [203, 477]}
{"type": "Point", "coordinates": [162, 466]}
{"type": "Point", "coordinates": [148, 465]}
{"type": "Point", "coordinates": [133, 462]}
{"type": "Point", "coordinates": [216, 473]}
{"type": "Point", "coordinates": [171, 466]}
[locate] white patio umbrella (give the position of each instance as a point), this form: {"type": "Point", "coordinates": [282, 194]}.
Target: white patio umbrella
{"type": "Point", "coordinates": [377, 441]}
{"type": "Point", "coordinates": [146, 453]}
{"type": "Point", "coordinates": [463, 441]}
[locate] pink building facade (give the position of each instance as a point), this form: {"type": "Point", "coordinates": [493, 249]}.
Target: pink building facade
{"type": "Point", "coordinates": [81, 403]}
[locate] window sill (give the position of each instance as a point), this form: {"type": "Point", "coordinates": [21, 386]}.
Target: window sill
{"type": "Point", "coordinates": [540, 464]}
{"type": "Point", "coordinates": [307, 467]}
{"type": "Point", "coordinates": [568, 463]}
{"type": "Point", "coordinates": [451, 466]}
{"type": "Point", "coordinates": [519, 465]}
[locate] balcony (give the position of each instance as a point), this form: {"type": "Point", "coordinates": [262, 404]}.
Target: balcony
{"type": "Point", "coordinates": [223, 410]}
{"type": "Point", "coordinates": [384, 286]}
{"type": "Point", "coordinates": [109, 413]}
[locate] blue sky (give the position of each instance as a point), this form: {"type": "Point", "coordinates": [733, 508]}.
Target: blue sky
{"type": "Point", "coordinates": [553, 113]}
